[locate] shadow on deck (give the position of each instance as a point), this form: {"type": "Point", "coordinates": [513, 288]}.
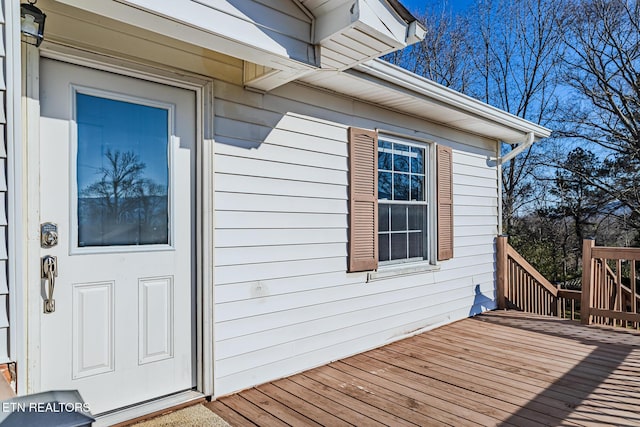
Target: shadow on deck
{"type": "Point", "coordinates": [500, 368]}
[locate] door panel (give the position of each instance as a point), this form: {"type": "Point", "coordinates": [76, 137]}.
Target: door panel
{"type": "Point", "coordinates": [93, 332]}
{"type": "Point", "coordinates": [117, 177]}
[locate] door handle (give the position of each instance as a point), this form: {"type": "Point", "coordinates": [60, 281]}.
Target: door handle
{"type": "Point", "coordinates": [49, 272]}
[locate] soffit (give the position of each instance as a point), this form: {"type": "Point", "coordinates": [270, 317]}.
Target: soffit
{"type": "Point", "coordinates": [389, 86]}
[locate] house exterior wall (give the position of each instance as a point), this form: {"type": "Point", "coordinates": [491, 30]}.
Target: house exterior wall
{"type": "Point", "coordinates": [4, 285]}
{"type": "Point", "coordinates": [284, 301]}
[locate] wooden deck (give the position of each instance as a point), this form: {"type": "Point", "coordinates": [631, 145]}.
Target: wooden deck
{"type": "Point", "coordinates": [501, 368]}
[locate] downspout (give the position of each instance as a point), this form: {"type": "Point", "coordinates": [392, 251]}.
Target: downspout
{"type": "Point", "coordinates": [519, 149]}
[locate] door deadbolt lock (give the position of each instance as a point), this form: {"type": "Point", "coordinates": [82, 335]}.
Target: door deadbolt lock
{"type": "Point", "coordinates": [48, 235]}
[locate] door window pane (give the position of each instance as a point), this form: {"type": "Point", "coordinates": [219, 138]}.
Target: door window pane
{"type": "Point", "coordinates": [122, 172]}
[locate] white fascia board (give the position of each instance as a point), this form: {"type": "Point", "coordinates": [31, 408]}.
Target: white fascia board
{"type": "Point", "coordinates": [213, 28]}
{"type": "Point", "coordinates": [380, 16]}
{"type": "Point", "coordinates": [424, 87]}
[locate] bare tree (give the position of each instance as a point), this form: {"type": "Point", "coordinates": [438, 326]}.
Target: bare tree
{"type": "Point", "coordinates": [120, 180]}
{"type": "Point", "coordinates": [122, 203]}
{"type": "Point", "coordinates": [602, 69]}
{"type": "Point", "coordinates": [516, 51]}
{"type": "Point", "coordinates": [443, 56]}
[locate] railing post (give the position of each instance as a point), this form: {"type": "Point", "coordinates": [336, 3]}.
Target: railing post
{"type": "Point", "coordinates": [501, 266]}
{"type": "Point", "coordinates": [587, 281]}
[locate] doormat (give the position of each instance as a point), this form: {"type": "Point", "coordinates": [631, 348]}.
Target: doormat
{"type": "Point", "coordinates": [196, 416]}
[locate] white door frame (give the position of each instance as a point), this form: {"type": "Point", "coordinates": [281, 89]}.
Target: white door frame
{"type": "Point", "coordinates": [32, 304]}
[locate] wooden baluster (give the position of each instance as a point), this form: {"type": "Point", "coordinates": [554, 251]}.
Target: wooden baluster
{"type": "Point", "coordinates": [525, 291]}
{"type": "Point", "coordinates": [619, 298]}
{"type": "Point", "coordinates": [632, 286]}
{"type": "Point", "coordinates": [587, 260]}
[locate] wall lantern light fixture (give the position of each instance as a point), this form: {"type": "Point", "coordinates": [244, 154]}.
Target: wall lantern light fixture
{"type": "Point", "coordinates": [32, 23]}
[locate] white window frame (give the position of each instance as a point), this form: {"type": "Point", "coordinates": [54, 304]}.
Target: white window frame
{"type": "Point", "coordinates": [430, 244]}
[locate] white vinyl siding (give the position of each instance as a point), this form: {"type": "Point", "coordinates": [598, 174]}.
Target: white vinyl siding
{"type": "Point", "coordinates": [4, 287]}
{"type": "Point", "coordinates": [284, 301]}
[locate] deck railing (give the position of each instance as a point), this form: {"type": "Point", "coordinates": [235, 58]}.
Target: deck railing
{"type": "Point", "coordinates": [609, 294]}
{"type": "Point", "coordinates": [609, 287]}
{"type": "Point", "coordinates": [521, 286]}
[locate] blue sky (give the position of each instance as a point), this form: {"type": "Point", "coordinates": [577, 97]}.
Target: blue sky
{"type": "Point", "coordinates": [418, 5]}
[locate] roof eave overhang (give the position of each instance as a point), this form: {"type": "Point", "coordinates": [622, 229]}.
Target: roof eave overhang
{"type": "Point", "coordinates": [392, 78]}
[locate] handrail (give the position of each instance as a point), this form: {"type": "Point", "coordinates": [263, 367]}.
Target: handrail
{"type": "Point", "coordinates": [606, 252]}
{"type": "Point", "coordinates": [569, 294]}
{"type": "Point", "coordinates": [522, 287]}
{"type": "Point", "coordinates": [531, 270]}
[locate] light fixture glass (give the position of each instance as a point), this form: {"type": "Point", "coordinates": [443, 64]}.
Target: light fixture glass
{"type": "Point", "coordinates": [32, 23]}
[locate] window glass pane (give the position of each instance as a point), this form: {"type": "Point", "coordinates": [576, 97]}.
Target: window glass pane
{"type": "Point", "coordinates": [399, 246]}
{"type": "Point", "coordinates": [400, 187]}
{"type": "Point", "coordinates": [417, 160]}
{"type": "Point", "coordinates": [417, 215]}
{"type": "Point", "coordinates": [398, 217]}
{"type": "Point", "coordinates": [383, 217]}
{"type": "Point", "coordinates": [122, 173]}
{"type": "Point", "coordinates": [417, 188]}
{"type": "Point", "coordinates": [400, 158]}
{"type": "Point", "coordinates": [384, 155]}
{"type": "Point", "coordinates": [384, 185]}
{"type": "Point", "coordinates": [416, 245]}
{"type": "Point", "coordinates": [402, 177]}
{"type": "Point", "coordinates": [383, 247]}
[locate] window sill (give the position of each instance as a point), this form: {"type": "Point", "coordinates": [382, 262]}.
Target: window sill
{"type": "Point", "coordinates": [391, 271]}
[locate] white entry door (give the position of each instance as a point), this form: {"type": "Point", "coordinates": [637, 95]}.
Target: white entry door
{"type": "Point", "coordinates": [117, 163]}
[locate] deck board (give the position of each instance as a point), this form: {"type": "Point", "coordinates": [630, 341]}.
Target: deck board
{"type": "Point", "coordinates": [502, 368]}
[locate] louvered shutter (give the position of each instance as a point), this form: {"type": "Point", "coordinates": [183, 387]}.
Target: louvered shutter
{"type": "Point", "coordinates": [363, 200]}
{"type": "Point", "coordinates": [444, 184]}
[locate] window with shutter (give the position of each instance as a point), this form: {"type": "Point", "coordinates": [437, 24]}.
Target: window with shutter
{"type": "Point", "coordinates": [390, 201]}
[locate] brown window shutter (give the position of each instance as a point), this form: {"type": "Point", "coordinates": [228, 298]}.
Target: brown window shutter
{"type": "Point", "coordinates": [444, 184]}
{"type": "Point", "coordinates": [363, 200]}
